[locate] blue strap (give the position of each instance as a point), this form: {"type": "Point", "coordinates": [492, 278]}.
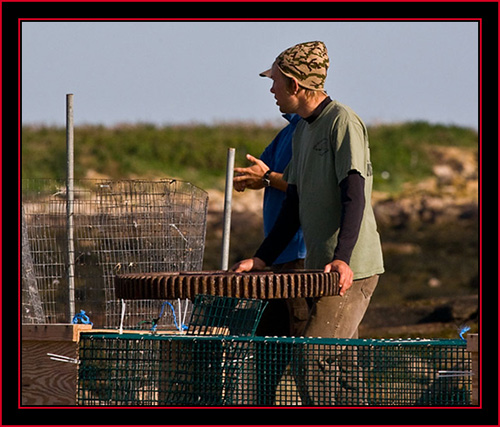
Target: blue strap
{"type": "Point", "coordinates": [81, 318]}
{"type": "Point", "coordinates": [463, 330]}
{"type": "Point", "coordinates": [154, 322]}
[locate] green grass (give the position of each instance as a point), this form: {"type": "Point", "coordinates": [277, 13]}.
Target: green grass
{"type": "Point", "coordinates": [194, 153]}
{"type": "Point", "coordinates": [400, 152]}
{"type": "Point", "coordinates": [198, 153]}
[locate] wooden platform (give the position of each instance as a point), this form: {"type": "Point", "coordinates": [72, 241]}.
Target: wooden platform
{"type": "Point", "coordinates": [46, 382]}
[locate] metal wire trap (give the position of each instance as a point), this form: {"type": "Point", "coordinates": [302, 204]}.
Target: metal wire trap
{"type": "Point", "coordinates": [216, 315]}
{"type": "Point", "coordinates": [180, 370]}
{"type": "Point", "coordinates": [119, 227]}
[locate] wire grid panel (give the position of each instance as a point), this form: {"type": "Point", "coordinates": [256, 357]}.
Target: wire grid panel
{"type": "Point", "coordinates": [265, 371]}
{"type": "Point", "coordinates": [119, 226]}
{"type": "Point", "coordinates": [217, 315]}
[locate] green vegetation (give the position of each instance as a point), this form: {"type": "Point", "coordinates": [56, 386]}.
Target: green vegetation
{"type": "Point", "coordinates": [399, 152]}
{"type": "Point", "coordinates": [197, 153]}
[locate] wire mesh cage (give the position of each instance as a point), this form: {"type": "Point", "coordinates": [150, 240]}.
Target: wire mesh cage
{"type": "Point", "coordinates": [216, 315]}
{"type": "Point", "coordinates": [136, 370]}
{"type": "Point", "coordinates": [119, 226]}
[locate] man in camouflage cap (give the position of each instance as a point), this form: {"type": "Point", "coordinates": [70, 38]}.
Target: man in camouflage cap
{"type": "Point", "coordinates": [329, 192]}
{"type": "Point", "coordinates": [306, 62]}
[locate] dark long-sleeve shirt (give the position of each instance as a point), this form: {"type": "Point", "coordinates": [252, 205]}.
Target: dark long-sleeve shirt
{"type": "Point", "coordinates": [288, 222]}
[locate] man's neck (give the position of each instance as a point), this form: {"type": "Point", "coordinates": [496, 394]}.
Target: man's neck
{"type": "Point", "coordinates": [308, 105]}
{"type": "Point", "coordinates": [314, 108]}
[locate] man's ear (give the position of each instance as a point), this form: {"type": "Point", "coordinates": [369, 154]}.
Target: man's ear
{"type": "Point", "coordinates": [294, 86]}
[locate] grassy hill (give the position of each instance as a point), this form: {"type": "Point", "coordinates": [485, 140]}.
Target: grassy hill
{"type": "Point", "coordinates": [197, 153]}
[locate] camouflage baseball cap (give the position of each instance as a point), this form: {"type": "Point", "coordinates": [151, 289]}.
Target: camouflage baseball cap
{"type": "Point", "coordinates": [307, 62]}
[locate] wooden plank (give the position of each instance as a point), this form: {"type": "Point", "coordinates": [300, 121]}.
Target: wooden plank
{"type": "Point", "coordinates": [53, 332]}
{"type": "Point", "coordinates": [473, 347]}
{"type": "Point", "coordinates": [45, 381]}
{"type": "Point", "coordinates": [473, 342]}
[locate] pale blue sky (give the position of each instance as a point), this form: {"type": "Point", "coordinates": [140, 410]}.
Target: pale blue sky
{"type": "Point", "coordinates": [207, 72]}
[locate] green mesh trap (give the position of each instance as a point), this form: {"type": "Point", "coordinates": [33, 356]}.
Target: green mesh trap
{"type": "Point", "coordinates": [181, 370]}
{"type": "Point", "coordinates": [216, 315]}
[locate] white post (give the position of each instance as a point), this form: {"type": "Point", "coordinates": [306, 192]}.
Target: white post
{"type": "Point", "coordinates": [70, 202]}
{"type": "Point", "coordinates": [227, 209]}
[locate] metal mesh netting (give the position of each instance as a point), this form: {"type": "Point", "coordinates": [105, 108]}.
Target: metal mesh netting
{"type": "Point", "coordinates": [119, 227]}
{"type": "Point", "coordinates": [215, 315]}
{"type": "Point", "coordinates": [134, 369]}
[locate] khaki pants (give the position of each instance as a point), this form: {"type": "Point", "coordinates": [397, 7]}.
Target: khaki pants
{"type": "Point", "coordinates": [328, 317]}
{"type": "Point", "coordinates": [332, 376]}
{"type": "Point", "coordinates": [339, 317]}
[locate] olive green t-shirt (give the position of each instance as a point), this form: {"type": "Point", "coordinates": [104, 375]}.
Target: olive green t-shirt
{"type": "Point", "coordinates": [323, 154]}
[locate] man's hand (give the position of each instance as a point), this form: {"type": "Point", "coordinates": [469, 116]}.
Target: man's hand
{"type": "Point", "coordinates": [250, 177]}
{"type": "Point", "coordinates": [346, 274]}
{"type": "Point", "coordinates": [248, 265]}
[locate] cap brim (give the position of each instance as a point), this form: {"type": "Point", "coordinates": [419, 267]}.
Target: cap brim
{"type": "Point", "coordinates": [266, 73]}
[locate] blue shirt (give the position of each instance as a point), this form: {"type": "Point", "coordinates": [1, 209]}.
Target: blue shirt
{"type": "Point", "coordinates": [277, 155]}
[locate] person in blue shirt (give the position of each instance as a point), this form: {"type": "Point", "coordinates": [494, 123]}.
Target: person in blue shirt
{"type": "Point", "coordinates": [267, 172]}
{"type": "Point", "coordinates": [282, 317]}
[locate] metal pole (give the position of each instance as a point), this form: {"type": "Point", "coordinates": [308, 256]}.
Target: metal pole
{"type": "Point", "coordinates": [69, 203]}
{"type": "Point", "coordinates": [227, 209]}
